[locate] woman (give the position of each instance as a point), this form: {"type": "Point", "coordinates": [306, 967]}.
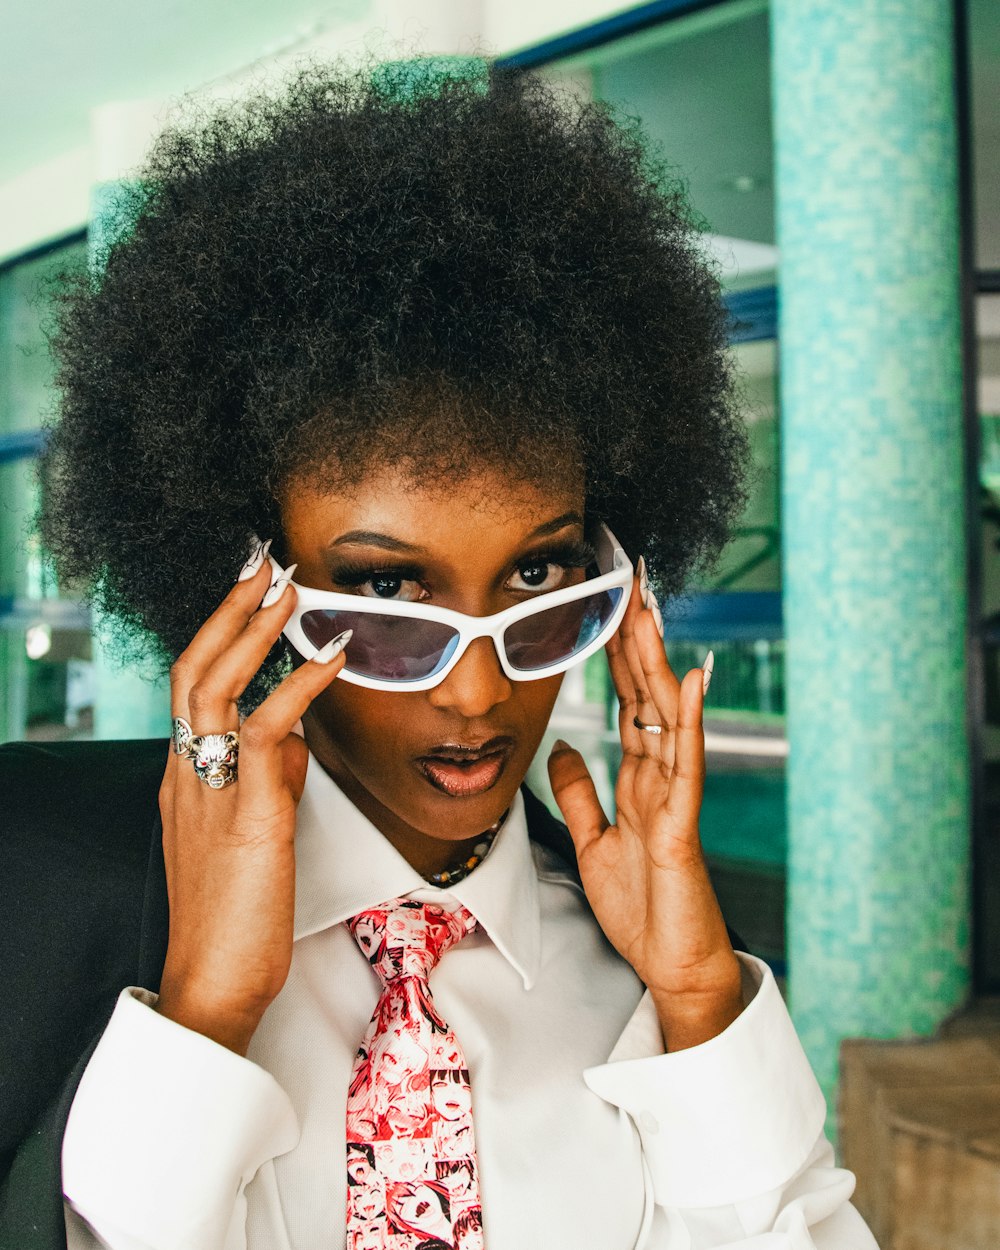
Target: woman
{"type": "Point", "coordinates": [446, 343]}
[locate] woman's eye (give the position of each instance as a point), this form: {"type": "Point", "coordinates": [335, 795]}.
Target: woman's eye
{"type": "Point", "coordinates": [538, 575]}
{"type": "Point", "coordinates": [391, 586]}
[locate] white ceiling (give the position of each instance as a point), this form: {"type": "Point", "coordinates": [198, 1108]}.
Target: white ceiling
{"type": "Point", "coordinates": [61, 58]}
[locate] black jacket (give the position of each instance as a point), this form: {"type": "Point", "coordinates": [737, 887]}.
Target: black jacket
{"type": "Point", "coordinates": [83, 913]}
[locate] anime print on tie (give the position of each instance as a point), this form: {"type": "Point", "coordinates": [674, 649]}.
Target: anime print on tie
{"type": "Point", "coordinates": [412, 1179]}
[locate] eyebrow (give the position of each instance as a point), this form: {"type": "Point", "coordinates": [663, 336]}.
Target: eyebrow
{"type": "Point", "coordinates": [372, 538]}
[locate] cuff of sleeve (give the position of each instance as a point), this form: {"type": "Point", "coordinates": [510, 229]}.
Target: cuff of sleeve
{"type": "Point", "coordinates": [731, 1118]}
{"type": "Point", "coordinates": [167, 1127]}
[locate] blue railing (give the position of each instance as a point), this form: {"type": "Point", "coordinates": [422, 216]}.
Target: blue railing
{"type": "Point", "coordinates": [19, 613]}
{"type": "Point", "coordinates": [725, 616]}
{"type": "Point", "coordinates": [21, 445]}
{"type": "Point", "coordinates": [753, 314]}
{"type": "Point", "coordinates": [640, 17]}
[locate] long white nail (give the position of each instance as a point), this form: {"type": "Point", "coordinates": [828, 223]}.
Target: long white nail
{"type": "Point", "coordinates": [648, 598]}
{"type": "Point", "coordinates": [330, 650]}
{"type": "Point", "coordinates": [654, 607]}
{"type": "Point", "coordinates": [256, 560]}
{"type": "Point", "coordinates": [707, 668]}
{"type": "Point", "coordinates": [644, 591]}
{"type": "Point", "coordinates": [278, 589]}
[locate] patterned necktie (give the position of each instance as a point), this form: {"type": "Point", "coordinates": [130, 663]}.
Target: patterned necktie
{"type": "Point", "coordinates": [412, 1179]}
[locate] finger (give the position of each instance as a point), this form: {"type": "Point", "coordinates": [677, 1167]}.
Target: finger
{"type": "Point", "coordinates": [621, 677]}
{"type": "Point", "coordinates": [218, 632]}
{"type": "Point", "coordinates": [687, 783]}
{"type": "Point", "coordinates": [276, 757]}
{"type": "Point", "coordinates": [627, 636]}
{"type": "Point", "coordinates": [651, 744]}
{"type": "Point", "coordinates": [660, 681]}
{"type": "Point", "coordinates": [576, 794]}
{"type": "Point", "coordinates": [208, 701]}
{"type": "Point", "coordinates": [212, 698]}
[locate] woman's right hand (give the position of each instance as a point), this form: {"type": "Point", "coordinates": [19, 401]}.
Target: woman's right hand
{"type": "Point", "coordinates": [230, 853]}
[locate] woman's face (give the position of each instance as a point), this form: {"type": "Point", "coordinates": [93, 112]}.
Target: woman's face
{"type": "Point", "coordinates": [365, 934]}
{"type": "Point", "coordinates": [482, 545]}
{"type": "Point", "coordinates": [460, 1181]}
{"type": "Point", "coordinates": [358, 1168]}
{"type": "Point", "coordinates": [366, 1202]}
{"type": "Point", "coordinates": [396, 1055]}
{"type": "Point", "coordinates": [452, 1099]}
{"type": "Point", "coordinates": [421, 1207]}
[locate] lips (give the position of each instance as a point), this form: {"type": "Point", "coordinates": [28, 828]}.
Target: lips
{"type": "Point", "coordinates": [463, 769]}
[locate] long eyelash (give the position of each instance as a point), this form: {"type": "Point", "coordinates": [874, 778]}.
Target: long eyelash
{"type": "Point", "coordinates": [357, 572]}
{"type": "Point", "coordinates": [570, 554]}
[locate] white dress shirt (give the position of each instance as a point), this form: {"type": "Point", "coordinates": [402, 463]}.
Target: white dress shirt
{"type": "Point", "coordinates": [588, 1136]}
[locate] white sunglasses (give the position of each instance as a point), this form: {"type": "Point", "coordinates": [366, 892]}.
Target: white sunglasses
{"type": "Point", "coordinates": [398, 645]}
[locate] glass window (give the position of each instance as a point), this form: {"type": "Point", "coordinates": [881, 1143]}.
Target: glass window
{"type": "Point", "coordinates": [988, 850]}
{"type": "Point", "coordinates": [983, 18]}
{"type": "Point", "coordinates": [984, 66]}
{"type": "Point", "coordinates": [700, 87]}
{"type": "Point", "coordinates": [45, 649]}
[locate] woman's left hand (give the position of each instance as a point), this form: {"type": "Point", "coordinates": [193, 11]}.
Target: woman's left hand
{"type": "Point", "coordinates": [645, 876]}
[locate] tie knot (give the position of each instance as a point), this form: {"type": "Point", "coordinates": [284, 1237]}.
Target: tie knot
{"type": "Point", "coordinates": [404, 938]}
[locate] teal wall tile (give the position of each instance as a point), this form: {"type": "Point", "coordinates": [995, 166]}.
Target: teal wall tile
{"type": "Point", "coordinates": [873, 505]}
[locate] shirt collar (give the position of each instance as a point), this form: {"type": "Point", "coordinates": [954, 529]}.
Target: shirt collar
{"type": "Point", "coordinates": [344, 865]}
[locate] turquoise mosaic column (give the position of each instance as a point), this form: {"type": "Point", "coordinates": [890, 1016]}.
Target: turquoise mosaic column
{"type": "Point", "coordinates": [873, 519]}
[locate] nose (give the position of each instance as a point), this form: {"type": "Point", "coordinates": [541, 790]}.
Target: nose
{"type": "Point", "coordinates": [476, 684]}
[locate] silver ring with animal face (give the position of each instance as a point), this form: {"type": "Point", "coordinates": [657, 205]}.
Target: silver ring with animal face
{"type": "Point", "coordinates": [215, 756]}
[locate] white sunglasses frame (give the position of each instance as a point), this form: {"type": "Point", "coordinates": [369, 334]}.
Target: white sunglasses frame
{"type": "Point", "coordinates": [609, 551]}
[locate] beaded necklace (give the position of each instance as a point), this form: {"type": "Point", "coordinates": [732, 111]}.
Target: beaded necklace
{"type": "Point", "coordinates": [479, 852]}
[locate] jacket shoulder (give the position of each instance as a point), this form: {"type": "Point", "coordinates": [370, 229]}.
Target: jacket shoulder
{"type": "Point", "coordinates": [92, 790]}
{"type": "Point", "coordinates": [76, 834]}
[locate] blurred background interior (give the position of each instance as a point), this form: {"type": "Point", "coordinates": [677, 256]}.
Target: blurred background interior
{"type": "Point", "coordinates": [717, 85]}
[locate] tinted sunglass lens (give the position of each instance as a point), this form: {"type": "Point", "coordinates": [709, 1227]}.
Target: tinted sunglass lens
{"type": "Point", "coordinates": [391, 648]}
{"type": "Point", "coordinates": [555, 634]}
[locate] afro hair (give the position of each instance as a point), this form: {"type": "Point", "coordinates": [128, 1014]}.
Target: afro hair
{"type": "Point", "coordinates": [473, 267]}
